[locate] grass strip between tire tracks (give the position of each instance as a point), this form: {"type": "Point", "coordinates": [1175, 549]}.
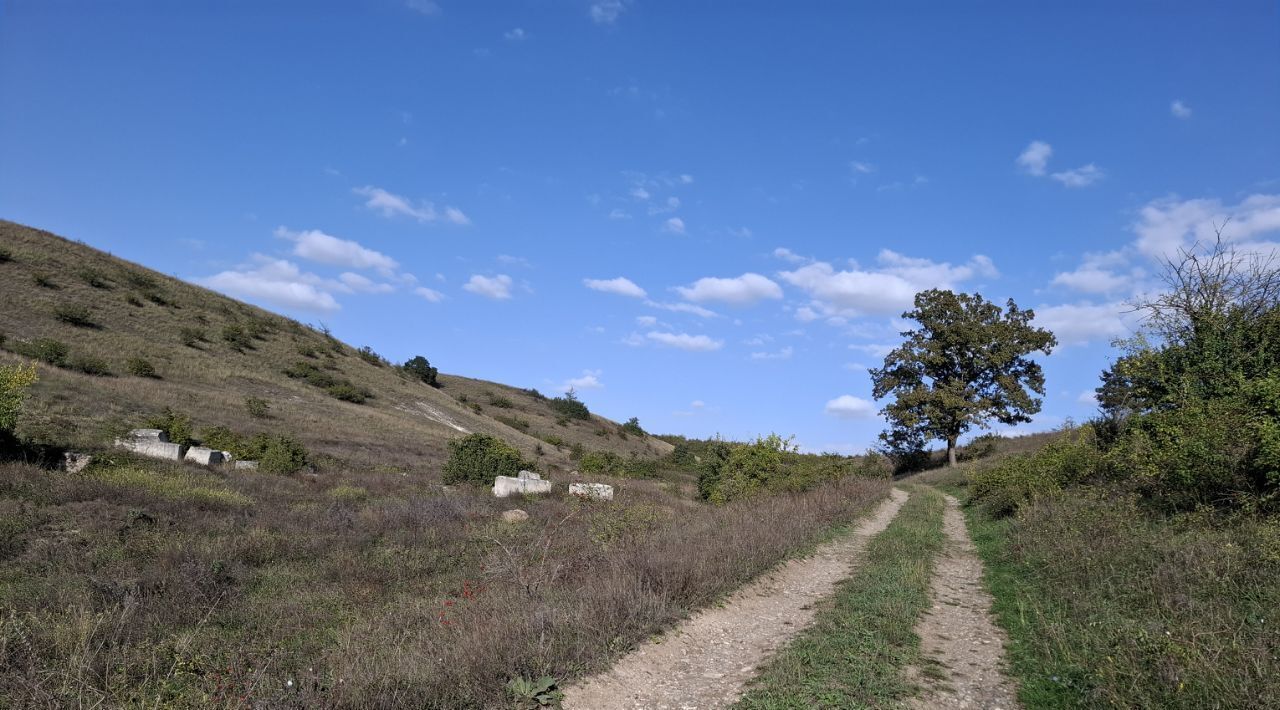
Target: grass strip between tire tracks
{"type": "Point", "coordinates": [856, 651]}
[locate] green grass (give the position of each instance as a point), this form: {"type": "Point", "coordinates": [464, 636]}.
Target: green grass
{"type": "Point", "coordinates": [856, 652]}
{"type": "Point", "coordinates": [175, 485]}
{"type": "Point", "coordinates": [1108, 605]}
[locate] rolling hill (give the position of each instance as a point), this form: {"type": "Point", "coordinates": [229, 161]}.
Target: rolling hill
{"type": "Point", "coordinates": [210, 353]}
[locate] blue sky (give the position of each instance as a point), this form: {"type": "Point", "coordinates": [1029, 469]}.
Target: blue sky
{"type": "Point", "coordinates": [706, 215]}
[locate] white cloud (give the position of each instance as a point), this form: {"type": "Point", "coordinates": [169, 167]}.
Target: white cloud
{"type": "Point", "coordinates": [515, 34]}
{"type": "Point", "coordinates": [1035, 157]}
{"type": "Point", "coordinates": [846, 406]}
{"type": "Point", "coordinates": [1099, 273]}
{"type": "Point", "coordinates": [1089, 397]}
{"type": "Point", "coordinates": [675, 225]}
{"type": "Point", "coordinates": [617, 213]}
{"type": "Point", "coordinates": [1081, 324]}
{"type": "Point", "coordinates": [590, 380]}
{"type": "Point", "coordinates": [684, 341]}
{"type": "Point", "coordinates": [789, 256]}
{"type": "Point", "coordinates": [606, 12]}
{"type": "Point", "coordinates": [1166, 225]}
{"type": "Point", "coordinates": [362, 284]}
{"type": "Point", "coordinates": [1079, 177]}
{"type": "Point", "coordinates": [317, 246]}
{"type": "Point", "coordinates": [886, 291]}
{"type": "Point", "coordinates": [426, 7]}
{"type": "Point", "coordinates": [430, 294]}
{"type": "Point", "coordinates": [860, 167]}
{"type": "Point", "coordinates": [879, 350]}
{"type": "Point", "coordinates": [640, 193]}
{"type": "Point", "coordinates": [277, 282]}
{"type": "Point", "coordinates": [514, 261]}
{"type": "Point", "coordinates": [743, 290]}
{"type": "Point", "coordinates": [646, 321]}
{"type": "Point", "coordinates": [495, 287]}
{"type": "Point", "coordinates": [389, 204]}
{"type": "Point", "coordinates": [783, 354]}
{"type": "Point", "coordinates": [621, 286]}
{"type": "Point", "coordinates": [683, 308]}
{"type": "Point", "coordinates": [805, 314]}
{"type": "Point", "coordinates": [1180, 109]}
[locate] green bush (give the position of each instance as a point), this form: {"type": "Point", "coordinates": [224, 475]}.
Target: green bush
{"type": "Point", "coordinates": [133, 300]}
{"type": "Point", "coordinates": [257, 407]}
{"type": "Point", "coordinates": [1073, 457]}
{"type": "Point", "coordinates": [280, 454]}
{"type": "Point", "coordinates": [980, 447]}
{"type": "Point", "coordinates": [569, 406]}
{"type": "Point", "coordinates": [5, 256]}
{"type": "Point", "coordinates": [14, 382]}
{"type": "Point", "coordinates": [420, 368]}
{"type": "Point", "coordinates": [500, 402]}
{"type": "Point", "coordinates": [74, 314]}
{"type": "Point", "coordinates": [514, 422]}
{"type": "Point", "coordinates": [140, 367]}
{"type": "Point", "coordinates": [348, 392]}
{"type": "Point", "coordinates": [189, 336]}
{"type": "Point", "coordinates": [223, 439]}
{"type": "Point", "coordinates": [368, 355]}
{"type": "Point", "coordinates": [89, 365]}
{"type": "Point", "coordinates": [311, 374]}
{"type": "Point", "coordinates": [45, 281]}
{"type": "Point", "coordinates": [477, 458]}
{"type": "Point", "coordinates": [237, 337]}
{"type": "Point", "coordinates": [601, 462]}
{"type": "Point", "coordinates": [632, 426]}
{"type": "Point", "coordinates": [46, 350]}
{"type": "Point", "coordinates": [176, 424]}
{"type": "Point", "coordinates": [95, 278]}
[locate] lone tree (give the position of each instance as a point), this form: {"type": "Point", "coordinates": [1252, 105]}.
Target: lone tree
{"type": "Point", "coordinates": [965, 365]}
{"type": "Point", "coordinates": [420, 368]}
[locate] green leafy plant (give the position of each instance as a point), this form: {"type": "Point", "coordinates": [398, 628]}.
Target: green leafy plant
{"type": "Point", "coordinates": [477, 458]}
{"type": "Point", "coordinates": [257, 407]}
{"type": "Point", "coordinates": [175, 424]}
{"type": "Point", "coordinates": [533, 694]}
{"type": "Point", "coordinates": [95, 278]}
{"type": "Point", "coordinates": [46, 350]}
{"type": "Point", "coordinates": [632, 426]}
{"type": "Point", "coordinates": [45, 281]}
{"type": "Point", "coordinates": [368, 355]}
{"type": "Point", "coordinates": [237, 337]}
{"type": "Point", "coordinates": [5, 256]}
{"type": "Point", "coordinates": [74, 314]}
{"type": "Point", "coordinates": [140, 367]}
{"type": "Point", "coordinates": [500, 402]}
{"type": "Point", "coordinates": [90, 365]}
{"type": "Point", "coordinates": [570, 406]}
{"type": "Point", "coordinates": [14, 382]}
{"type": "Point", "coordinates": [190, 337]}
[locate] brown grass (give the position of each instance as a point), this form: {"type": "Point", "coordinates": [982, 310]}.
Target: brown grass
{"type": "Point", "coordinates": [316, 594]}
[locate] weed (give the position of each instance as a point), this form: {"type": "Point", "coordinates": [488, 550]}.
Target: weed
{"type": "Point", "coordinates": [89, 365]}
{"type": "Point", "coordinates": [45, 281]}
{"type": "Point", "coordinates": [74, 314]}
{"type": "Point", "coordinates": [257, 407]}
{"type": "Point", "coordinates": [141, 367]}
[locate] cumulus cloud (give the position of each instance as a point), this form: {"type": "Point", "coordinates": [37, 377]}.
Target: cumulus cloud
{"type": "Point", "coordinates": [684, 341]}
{"type": "Point", "coordinates": [699, 311]}
{"type": "Point", "coordinates": [515, 34]}
{"type": "Point", "coordinates": [314, 245]}
{"type": "Point", "coordinates": [1085, 323]}
{"type": "Point", "coordinates": [887, 290]}
{"type": "Point", "coordinates": [1167, 225]}
{"type": "Point", "coordinates": [590, 380]}
{"type": "Point", "coordinates": [495, 287]}
{"type": "Point", "coordinates": [389, 204]}
{"type": "Point", "coordinates": [363, 284]}
{"type": "Point", "coordinates": [607, 12]}
{"type": "Point", "coordinates": [783, 354]}
{"type": "Point", "coordinates": [1079, 177]}
{"type": "Point", "coordinates": [846, 406]}
{"type": "Point", "coordinates": [277, 282]}
{"type": "Point", "coordinates": [789, 256]}
{"type": "Point", "coordinates": [621, 286]}
{"type": "Point", "coordinates": [674, 225]}
{"type": "Point", "coordinates": [1180, 109]}
{"type": "Point", "coordinates": [743, 290]}
{"type": "Point", "coordinates": [1034, 159]}
{"type": "Point", "coordinates": [425, 7]}
{"type": "Point", "coordinates": [430, 294]}
{"type": "Point", "coordinates": [863, 168]}
{"type": "Point", "coordinates": [646, 321]}
{"type": "Point", "coordinates": [1101, 273]}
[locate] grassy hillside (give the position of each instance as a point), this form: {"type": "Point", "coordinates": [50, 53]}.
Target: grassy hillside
{"type": "Point", "coordinates": [210, 353]}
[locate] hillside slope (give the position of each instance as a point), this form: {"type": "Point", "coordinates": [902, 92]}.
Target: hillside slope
{"type": "Point", "coordinates": [211, 352]}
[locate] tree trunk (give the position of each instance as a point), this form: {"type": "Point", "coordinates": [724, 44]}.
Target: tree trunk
{"type": "Point", "coordinates": [951, 451]}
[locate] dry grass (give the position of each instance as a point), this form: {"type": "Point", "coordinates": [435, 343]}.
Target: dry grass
{"type": "Point", "coordinates": [135, 584]}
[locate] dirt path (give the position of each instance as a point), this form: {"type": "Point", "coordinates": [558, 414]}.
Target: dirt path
{"type": "Point", "coordinates": [959, 633]}
{"type": "Point", "coordinates": [707, 660]}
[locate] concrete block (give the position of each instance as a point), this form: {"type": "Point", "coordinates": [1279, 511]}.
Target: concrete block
{"type": "Point", "coordinates": [203, 456]}
{"type": "Point", "coordinates": [529, 476]}
{"type": "Point", "coordinates": [592, 491]}
{"type": "Point", "coordinates": [153, 448]}
{"type": "Point", "coordinates": [148, 434]}
{"type": "Point", "coordinates": [245, 465]}
{"type": "Point", "coordinates": [504, 486]}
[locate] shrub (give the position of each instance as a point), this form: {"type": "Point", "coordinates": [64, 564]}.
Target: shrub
{"type": "Point", "coordinates": [981, 447]}
{"type": "Point", "coordinates": [368, 355]}
{"type": "Point", "coordinates": [280, 454]}
{"type": "Point", "coordinates": [1004, 487]}
{"type": "Point", "coordinates": [5, 256]}
{"type": "Point", "coordinates": [132, 300]}
{"type": "Point", "coordinates": [95, 278]}
{"type": "Point", "coordinates": [311, 374]}
{"type": "Point", "coordinates": [189, 336]}
{"type": "Point", "coordinates": [14, 382]}
{"type": "Point", "coordinates": [45, 281]}
{"type": "Point", "coordinates": [140, 367]}
{"type": "Point", "coordinates": [477, 458]}
{"type": "Point", "coordinates": [569, 406]}
{"type": "Point", "coordinates": [176, 424]}
{"type": "Point", "coordinates": [237, 337]}
{"type": "Point", "coordinates": [554, 440]}
{"type": "Point", "coordinates": [46, 350]}
{"type": "Point", "coordinates": [90, 365]}
{"type": "Point", "coordinates": [307, 351]}
{"type": "Point", "coordinates": [600, 462]}
{"type": "Point", "coordinates": [348, 392]}
{"type": "Point", "coordinates": [500, 402]}
{"type": "Point", "coordinates": [74, 314]}
{"type": "Point", "coordinates": [514, 422]}
{"type": "Point", "coordinates": [257, 407]}
{"type": "Point", "coordinates": [633, 427]}
{"type": "Point", "coordinates": [223, 439]}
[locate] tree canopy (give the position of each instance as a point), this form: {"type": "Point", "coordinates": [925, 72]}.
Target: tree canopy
{"type": "Point", "coordinates": [966, 365]}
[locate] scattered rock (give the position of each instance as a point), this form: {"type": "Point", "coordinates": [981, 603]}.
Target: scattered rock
{"type": "Point", "coordinates": [149, 434]}
{"type": "Point", "coordinates": [515, 516]}
{"type": "Point", "coordinates": [75, 462]}
{"type": "Point", "coordinates": [591, 491]}
{"type": "Point", "coordinates": [243, 465]}
{"type": "Point", "coordinates": [504, 486]}
{"type": "Point", "coordinates": [528, 476]}
{"type": "Point", "coordinates": [227, 457]}
{"type": "Point", "coordinates": [203, 455]}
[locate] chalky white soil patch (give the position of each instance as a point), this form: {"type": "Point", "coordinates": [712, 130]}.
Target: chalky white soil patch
{"type": "Point", "coordinates": [959, 633]}
{"type": "Point", "coordinates": [707, 661]}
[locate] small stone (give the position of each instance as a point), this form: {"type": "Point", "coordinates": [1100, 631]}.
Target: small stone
{"type": "Point", "coordinates": [243, 465]}
{"type": "Point", "coordinates": [591, 491]}
{"type": "Point", "coordinates": [75, 462]}
{"type": "Point", "coordinates": [515, 516]}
